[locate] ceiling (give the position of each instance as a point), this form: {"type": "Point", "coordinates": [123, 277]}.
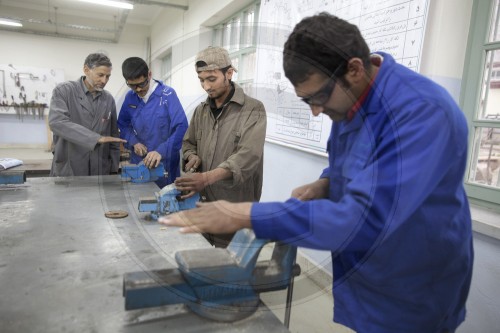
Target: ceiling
{"type": "Point", "coordinates": [80, 20]}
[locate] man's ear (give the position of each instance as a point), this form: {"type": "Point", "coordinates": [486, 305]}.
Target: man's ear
{"type": "Point", "coordinates": [355, 67]}
{"type": "Point", "coordinates": [230, 73]}
{"type": "Point", "coordinates": [356, 71]}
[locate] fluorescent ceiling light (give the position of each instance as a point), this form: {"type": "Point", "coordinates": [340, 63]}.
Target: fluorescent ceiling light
{"type": "Point", "coordinates": [12, 23]}
{"type": "Point", "coordinates": [111, 3]}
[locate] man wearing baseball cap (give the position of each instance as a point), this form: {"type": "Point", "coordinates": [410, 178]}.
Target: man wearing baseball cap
{"type": "Point", "coordinates": [223, 146]}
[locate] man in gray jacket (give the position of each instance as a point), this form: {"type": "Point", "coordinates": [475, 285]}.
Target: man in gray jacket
{"type": "Point", "coordinates": [82, 117]}
{"type": "Point", "coordinates": [224, 140]}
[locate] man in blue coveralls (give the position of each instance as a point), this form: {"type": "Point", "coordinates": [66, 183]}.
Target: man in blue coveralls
{"type": "Point", "coordinates": [152, 120]}
{"type": "Point", "coordinates": [390, 206]}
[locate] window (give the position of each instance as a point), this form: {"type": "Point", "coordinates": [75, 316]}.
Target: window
{"type": "Point", "coordinates": [238, 35]}
{"type": "Point", "coordinates": [166, 69]}
{"type": "Point", "coordinates": [481, 103]}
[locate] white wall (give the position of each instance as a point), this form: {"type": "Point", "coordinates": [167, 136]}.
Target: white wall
{"type": "Point", "coordinates": [445, 43]}
{"type": "Point", "coordinates": [68, 55]}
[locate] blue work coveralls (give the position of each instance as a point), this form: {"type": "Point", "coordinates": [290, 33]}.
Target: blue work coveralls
{"type": "Point", "coordinates": [159, 124]}
{"type": "Point", "coordinates": [396, 219]}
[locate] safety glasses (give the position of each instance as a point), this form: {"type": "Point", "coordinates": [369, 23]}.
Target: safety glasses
{"type": "Point", "coordinates": [141, 85]}
{"type": "Point", "coordinates": [321, 96]}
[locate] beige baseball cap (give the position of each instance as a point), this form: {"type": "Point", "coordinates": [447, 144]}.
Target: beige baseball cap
{"type": "Point", "coordinates": [215, 57]}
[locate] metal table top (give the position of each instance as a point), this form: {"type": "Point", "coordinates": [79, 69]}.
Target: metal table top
{"type": "Point", "coordinates": [62, 261]}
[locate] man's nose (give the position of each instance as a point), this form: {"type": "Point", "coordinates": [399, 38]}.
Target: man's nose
{"type": "Point", "coordinates": [316, 109]}
{"type": "Point", "coordinates": [206, 86]}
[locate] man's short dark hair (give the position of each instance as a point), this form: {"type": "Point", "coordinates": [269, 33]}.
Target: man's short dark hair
{"type": "Point", "coordinates": [134, 68]}
{"type": "Point", "coordinates": [321, 44]}
{"type": "Point", "coordinates": [96, 60]}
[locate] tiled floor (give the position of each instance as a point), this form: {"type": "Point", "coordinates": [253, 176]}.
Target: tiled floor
{"type": "Point", "coordinates": [312, 306]}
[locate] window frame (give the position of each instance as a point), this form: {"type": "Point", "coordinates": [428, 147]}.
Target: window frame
{"type": "Point", "coordinates": [478, 46]}
{"type": "Point", "coordinates": [243, 47]}
{"type": "Point", "coordinates": [166, 68]}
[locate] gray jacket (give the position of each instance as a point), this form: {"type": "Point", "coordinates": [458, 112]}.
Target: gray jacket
{"type": "Point", "coordinates": [77, 127]}
{"type": "Point", "coordinates": [234, 141]}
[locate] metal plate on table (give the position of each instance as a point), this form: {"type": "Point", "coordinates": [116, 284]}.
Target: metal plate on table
{"type": "Point", "coordinates": [62, 261]}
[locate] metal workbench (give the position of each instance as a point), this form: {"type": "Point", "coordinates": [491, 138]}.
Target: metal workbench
{"type": "Point", "coordinates": [62, 261]}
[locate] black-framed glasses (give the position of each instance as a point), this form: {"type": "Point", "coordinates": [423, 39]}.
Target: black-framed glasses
{"type": "Point", "coordinates": [141, 85]}
{"type": "Point", "coordinates": [321, 96]}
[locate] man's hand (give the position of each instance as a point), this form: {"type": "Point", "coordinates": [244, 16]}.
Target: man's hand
{"type": "Point", "coordinates": [193, 163]}
{"type": "Point", "coordinates": [152, 159]}
{"type": "Point", "coordinates": [109, 139]}
{"type": "Point", "coordinates": [219, 217]}
{"type": "Point", "coordinates": [316, 190]}
{"type": "Point", "coordinates": [192, 183]}
{"type": "Point", "coordinates": [140, 149]}
{"type": "Point", "coordinates": [195, 182]}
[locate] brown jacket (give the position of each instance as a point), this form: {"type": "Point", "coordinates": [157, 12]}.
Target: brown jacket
{"type": "Point", "coordinates": [234, 141]}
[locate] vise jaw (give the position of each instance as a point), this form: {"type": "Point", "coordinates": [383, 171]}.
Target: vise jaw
{"type": "Point", "coordinates": [140, 173]}
{"type": "Point", "coordinates": [219, 284]}
{"type": "Point", "coordinates": [166, 201]}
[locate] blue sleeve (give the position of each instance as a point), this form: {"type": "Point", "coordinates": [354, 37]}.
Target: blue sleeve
{"type": "Point", "coordinates": [325, 173]}
{"type": "Point", "coordinates": [125, 124]}
{"type": "Point", "coordinates": [178, 126]}
{"type": "Point", "coordinates": [404, 169]}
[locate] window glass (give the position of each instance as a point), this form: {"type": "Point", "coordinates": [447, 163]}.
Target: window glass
{"type": "Point", "coordinates": [490, 88]}
{"type": "Point", "coordinates": [248, 28]}
{"type": "Point", "coordinates": [247, 88]}
{"type": "Point", "coordinates": [226, 40]}
{"type": "Point", "coordinates": [235, 36]}
{"type": "Point", "coordinates": [481, 104]}
{"type": "Point", "coordinates": [218, 35]}
{"type": "Point", "coordinates": [248, 66]}
{"type": "Point", "coordinates": [166, 69]}
{"type": "Point", "coordinates": [235, 61]}
{"type": "Point", "coordinates": [486, 161]}
{"type": "Point", "coordinates": [495, 26]}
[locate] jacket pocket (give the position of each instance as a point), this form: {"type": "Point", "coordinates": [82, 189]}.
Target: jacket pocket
{"type": "Point", "coordinates": [199, 135]}
{"type": "Point", "coordinates": [164, 126]}
{"type": "Point", "coordinates": [236, 140]}
{"type": "Point", "coordinates": [357, 159]}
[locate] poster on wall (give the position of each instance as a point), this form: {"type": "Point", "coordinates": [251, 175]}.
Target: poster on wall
{"type": "Point", "coordinates": [26, 91]}
{"type": "Point", "coordinates": [396, 27]}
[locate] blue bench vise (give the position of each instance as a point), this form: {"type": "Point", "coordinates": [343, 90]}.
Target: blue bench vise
{"type": "Point", "coordinates": [166, 201]}
{"type": "Point", "coordinates": [215, 283]}
{"type": "Point", "coordinates": [12, 177]}
{"type": "Point", "coordinates": [140, 173]}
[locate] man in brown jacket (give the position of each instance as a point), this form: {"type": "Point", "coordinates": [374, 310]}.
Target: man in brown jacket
{"type": "Point", "coordinates": [223, 146]}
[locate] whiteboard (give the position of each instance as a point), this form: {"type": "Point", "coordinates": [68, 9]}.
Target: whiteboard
{"type": "Point", "coordinates": [396, 27]}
